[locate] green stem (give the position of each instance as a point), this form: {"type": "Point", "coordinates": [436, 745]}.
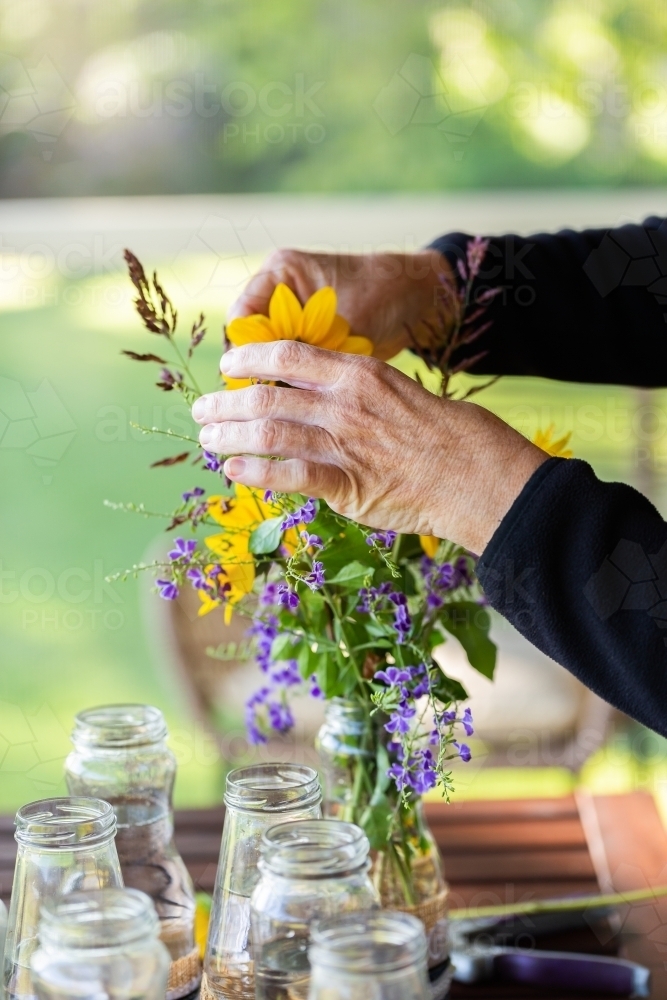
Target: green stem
{"type": "Point", "coordinates": [403, 873]}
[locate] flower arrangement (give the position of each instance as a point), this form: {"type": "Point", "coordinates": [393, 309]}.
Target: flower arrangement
{"type": "Point", "coordinates": [335, 608]}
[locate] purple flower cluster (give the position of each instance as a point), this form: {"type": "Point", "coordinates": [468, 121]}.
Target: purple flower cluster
{"type": "Point", "coordinates": [287, 597]}
{"type": "Point", "coordinates": [303, 515]}
{"type": "Point", "coordinates": [383, 598]}
{"type": "Point", "coordinates": [212, 462]}
{"type": "Point", "coordinates": [384, 538]}
{"type": "Point", "coordinates": [440, 578]}
{"type": "Point", "coordinates": [417, 771]}
{"type": "Point", "coordinates": [196, 491]}
{"type": "Point", "coordinates": [410, 683]}
{"type": "Point", "coordinates": [264, 632]}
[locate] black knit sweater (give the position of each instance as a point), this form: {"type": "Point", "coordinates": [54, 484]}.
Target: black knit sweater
{"type": "Point", "coordinates": [579, 566]}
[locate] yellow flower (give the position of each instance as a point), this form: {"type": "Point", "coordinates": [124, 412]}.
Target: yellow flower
{"type": "Point", "coordinates": [429, 544]}
{"type": "Point", "coordinates": [239, 516]}
{"type": "Point", "coordinates": [558, 449]}
{"type": "Point", "coordinates": [315, 323]}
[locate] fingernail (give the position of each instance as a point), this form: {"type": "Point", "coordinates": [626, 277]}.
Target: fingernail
{"type": "Point", "coordinates": [199, 408]}
{"type": "Point", "coordinates": [208, 434]}
{"type": "Point", "coordinates": [235, 466]}
{"type": "Point", "coordinates": [227, 361]}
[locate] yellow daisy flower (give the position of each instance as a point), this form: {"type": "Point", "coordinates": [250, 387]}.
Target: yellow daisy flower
{"type": "Point", "coordinates": [315, 323]}
{"type": "Point", "coordinates": [239, 516]}
{"type": "Point", "coordinates": [429, 544]}
{"type": "Point", "coordinates": [558, 449]}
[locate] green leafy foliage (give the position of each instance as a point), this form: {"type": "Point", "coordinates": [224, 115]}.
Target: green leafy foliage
{"type": "Point", "coordinates": [266, 538]}
{"type": "Point", "coordinates": [470, 624]}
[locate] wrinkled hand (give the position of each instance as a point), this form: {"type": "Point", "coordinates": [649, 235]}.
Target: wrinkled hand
{"type": "Point", "coordinates": [378, 294]}
{"type": "Point", "coordinates": [374, 444]}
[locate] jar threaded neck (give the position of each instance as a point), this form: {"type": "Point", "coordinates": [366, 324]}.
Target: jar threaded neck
{"type": "Point", "coordinates": [66, 823]}
{"type": "Point", "coordinates": [119, 726]}
{"type": "Point", "coordinates": [273, 787]}
{"type": "Point", "coordinates": [320, 848]}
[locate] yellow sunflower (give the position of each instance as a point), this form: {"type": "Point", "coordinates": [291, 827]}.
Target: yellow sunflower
{"type": "Point", "coordinates": [315, 323]}
{"type": "Point", "coordinates": [239, 516]}
{"type": "Point", "coordinates": [558, 448]}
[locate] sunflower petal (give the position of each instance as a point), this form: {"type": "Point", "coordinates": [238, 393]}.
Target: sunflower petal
{"type": "Point", "coordinates": [251, 330]}
{"type": "Point", "coordinates": [318, 315]}
{"type": "Point", "coordinates": [429, 544]}
{"type": "Point", "coordinates": [236, 383]}
{"type": "Point", "coordinates": [357, 345]}
{"type": "Point", "coordinates": [285, 312]}
{"type": "Point", "coordinates": [336, 335]}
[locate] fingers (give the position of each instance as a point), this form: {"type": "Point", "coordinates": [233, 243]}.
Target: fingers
{"type": "Point", "coordinates": [290, 361]}
{"type": "Point", "coordinates": [266, 437]}
{"type": "Point", "coordinates": [293, 476]}
{"type": "Point", "coordinates": [257, 402]}
{"type": "Point", "coordinates": [299, 271]}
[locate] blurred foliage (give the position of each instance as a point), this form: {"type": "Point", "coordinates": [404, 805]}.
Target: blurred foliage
{"type": "Point", "coordinates": [158, 96]}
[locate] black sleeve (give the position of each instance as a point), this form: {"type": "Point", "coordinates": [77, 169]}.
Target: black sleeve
{"type": "Point", "coordinates": [585, 306]}
{"type": "Point", "coordinates": [580, 568]}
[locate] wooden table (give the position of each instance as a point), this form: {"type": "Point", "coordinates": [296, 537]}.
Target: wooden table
{"type": "Point", "coordinates": [506, 852]}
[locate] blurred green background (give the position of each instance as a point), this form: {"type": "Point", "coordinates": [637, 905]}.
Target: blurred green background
{"type": "Point", "coordinates": [167, 97]}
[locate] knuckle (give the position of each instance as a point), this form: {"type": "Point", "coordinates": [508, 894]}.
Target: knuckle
{"type": "Point", "coordinates": [260, 400]}
{"type": "Point", "coordinates": [286, 354]}
{"type": "Point", "coordinates": [268, 436]}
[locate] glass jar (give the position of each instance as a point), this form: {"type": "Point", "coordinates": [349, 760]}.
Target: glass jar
{"type": "Point", "coordinates": [309, 870]}
{"type": "Point", "coordinates": [408, 872]}
{"type": "Point", "coordinates": [121, 756]}
{"type": "Point", "coordinates": [256, 798]}
{"type": "Point", "coordinates": [101, 945]}
{"type": "Point", "coordinates": [368, 956]}
{"type": "Point", "coordinates": [64, 845]}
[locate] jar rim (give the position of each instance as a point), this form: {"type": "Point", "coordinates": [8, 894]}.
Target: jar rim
{"type": "Point", "coordinates": [119, 726]}
{"type": "Point", "coordinates": [368, 942]}
{"type": "Point", "coordinates": [272, 787]}
{"type": "Point", "coordinates": [314, 849]}
{"type": "Point", "coordinates": [65, 824]}
{"type": "Point", "coordinates": [98, 918]}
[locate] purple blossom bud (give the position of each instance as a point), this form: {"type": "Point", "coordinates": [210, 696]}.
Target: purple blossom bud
{"type": "Point", "coordinates": [280, 716]}
{"type": "Point", "coordinates": [196, 491]}
{"type": "Point", "coordinates": [302, 515]}
{"type": "Point", "coordinates": [463, 751]}
{"type": "Point", "coordinates": [315, 690]}
{"type": "Point", "coordinates": [466, 722]}
{"type": "Point", "coordinates": [312, 541]}
{"type": "Point", "coordinates": [182, 549]}
{"type": "Point", "coordinates": [212, 462]}
{"type": "Point", "coordinates": [168, 589]}
{"type": "Point", "coordinates": [315, 580]}
{"type": "Point", "coordinates": [287, 673]}
{"type": "Point", "coordinates": [268, 496]}
{"type": "Point", "coordinates": [287, 597]}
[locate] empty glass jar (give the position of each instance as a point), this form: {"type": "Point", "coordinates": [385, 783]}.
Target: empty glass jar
{"type": "Point", "coordinates": [378, 955]}
{"type": "Point", "coordinates": [256, 798]}
{"type": "Point", "coordinates": [120, 755]}
{"type": "Point", "coordinates": [101, 945]}
{"type": "Point", "coordinates": [64, 845]}
{"type": "Point", "coordinates": [309, 870]}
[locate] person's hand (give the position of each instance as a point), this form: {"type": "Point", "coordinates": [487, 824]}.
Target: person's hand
{"type": "Point", "coordinates": [374, 444]}
{"type": "Point", "coordinates": [378, 294]}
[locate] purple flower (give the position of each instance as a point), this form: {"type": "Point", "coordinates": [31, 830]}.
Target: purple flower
{"type": "Point", "coordinates": [466, 722]}
{"type": "Point", "coordinates": [315, 580]}
{"type": "Point", "coordinates": [399, 774]}
{"type": "Point", "coordinates": [268, 496]}
{"type": "Point", "coordinates": [255, 735]}
{"type": "Point", "coordinates": [287, 674]}
{"type": "Point", "coordinates": [280, 716]}
{"type": "Point", "coordinates": [399, 720]}
{"type": "Point", "coordinates": [448, 717]}
{"type": "Point", "coordinates": [463, 751]}
{"type": "Point", "coordinates": [196, 577]}
{"type": "Point", "coordinates": [269, 595]}
{"type": "Point", "coordinates": [392, 676]}
{"type": "Point", "coordinates": [168, 589]}
{"type": "Point", "coordinates": [384, 538]}
{"type": "Point", "coordinates": [402, 623]}
{"type": "Point", "coordinates": [287, 597]}
{"type": "Point", "coordinates": [212, 462]}
{"type": "Point", "coordinates": [312, 541]}
{"type": "Point", "coordinates": [315, 690]}
{"type": "Point", "coordinates": [303, 515]}
{"type": "Point", "coordinates": [196, 491]}
{"type": "Point", "coordinates": [182, 549]}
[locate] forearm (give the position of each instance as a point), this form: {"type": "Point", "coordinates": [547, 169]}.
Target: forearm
{"type": "Point", "coordinates": [580, 568]}
{"type": "Point", "coordinates": [582, 307]}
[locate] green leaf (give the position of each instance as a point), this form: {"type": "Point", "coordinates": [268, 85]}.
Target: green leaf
{"type": "Point", "coordinates": [376, 821]}
{"type": "Point", "coordinates": [283, 647]}
{"type": "Point", "coordinates": [266, 538]}
{"type": "Point", "coordinates": [470, 624]}
{"type": "Point", "coordinates": [327, 676]}
{"type": "Point", "coordinates": [352, 575]}
{"type": "Point", "coordinates": [446, 689]}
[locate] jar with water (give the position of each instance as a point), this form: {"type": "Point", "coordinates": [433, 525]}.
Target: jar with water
{"type": "Point", "coordinates": [309, 870]}
{"type": "Point", "coordinates": [120, 754]}
{"type": "Point", "coordinates": [256, 798]}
